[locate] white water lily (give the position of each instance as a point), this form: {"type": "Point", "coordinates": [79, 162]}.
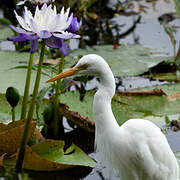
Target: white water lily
{"type": "Point", "coordinates": [46, 21]}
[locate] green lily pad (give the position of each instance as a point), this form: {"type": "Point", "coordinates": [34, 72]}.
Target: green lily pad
{"type": "Point", "coordinates": [170, 76]}
{"type": "Point", "coordinates": [72, 99]}
{"type": "Point", "coordinates": [5, 109]}
{"type": "Point", "coordinates": [167, 88]}
{"type": "Point", "coordinates": [128, 106]}
{"type": "Point", "coordinates": [50, 155]}
{"type": "Point", "coordinates": [73, 155]}
{"type": "Point", "coordinates": [5, 32]}
{"type": "Point", "coordinates": [16, 77]}
{"type": "Point", "coordinates": [127, 60]}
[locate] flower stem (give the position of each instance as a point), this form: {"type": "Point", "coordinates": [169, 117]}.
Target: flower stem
{"type": "Point", "coordinates": [25, 137]}
{"type": "Point", "coordinates": [13, 114]}
{"type": "Point", "coordinates": [26, 90]}
{"type": "Point", "coordinates": [57, 99]}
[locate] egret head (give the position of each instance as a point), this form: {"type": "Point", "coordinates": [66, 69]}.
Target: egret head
{"type": "Point", "coordinates": [91, 64]}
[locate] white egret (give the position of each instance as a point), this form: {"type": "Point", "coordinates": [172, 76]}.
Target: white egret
{"type": "Point", "coordinates": [137, 150]}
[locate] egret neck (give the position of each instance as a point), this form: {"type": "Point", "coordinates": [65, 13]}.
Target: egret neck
{"type": "Point", "coordinates": [103, 114]}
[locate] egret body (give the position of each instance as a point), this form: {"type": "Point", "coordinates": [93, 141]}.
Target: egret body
{"type": "Point", "coordinates": [137, 150]}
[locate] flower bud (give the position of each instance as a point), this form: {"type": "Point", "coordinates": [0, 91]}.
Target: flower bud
{"type": "Point", "coordinates": [12, 96]}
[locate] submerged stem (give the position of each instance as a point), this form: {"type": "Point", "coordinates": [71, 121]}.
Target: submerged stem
{"type": "Point", "coordinates": [13, 114]}
{"type": "Point", "coordinates": [27, 85]}
{"type": "Point", "coordinates": [57, 99]}
{"type": "Point", "coordinates": [25, 137]}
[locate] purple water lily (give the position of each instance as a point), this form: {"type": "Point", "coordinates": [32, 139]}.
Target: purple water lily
{"type": "Point", "coordinates": [75, 25]}
{"type": "Point", "coordinates": [48, 25]}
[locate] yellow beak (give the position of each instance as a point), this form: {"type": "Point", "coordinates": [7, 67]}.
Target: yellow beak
{"type": "Point", "coordinates": [67, 73]}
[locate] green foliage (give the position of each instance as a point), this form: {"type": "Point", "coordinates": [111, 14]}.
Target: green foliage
{"type": "Point", "coordinates": [152, 107]}
{"type": "Point", "coordinates": [48, 113]}
{"type": "Point", "coordinates": [40, 98]}
{"type": "Point", "coordinates": [169, 76]}
{"type": "Point", "coordinates": [72, 155]}
{"type": "Point", "coordinates": [171, 31]}
{"type": "Point", "coordinates": [5, 21]}
{"type": "Point", "coordinates": [16, 77]}
{"type": "Point", "coordinates": [5, 32]}
{"type": "Point", "coordinates": [127, 60]}
{"type": "Point", "coordinates": [52, 155]}
{"type": "Point", "coordinates": [177, 6]}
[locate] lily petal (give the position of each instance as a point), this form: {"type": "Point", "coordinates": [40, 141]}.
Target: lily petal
{"type": "Point", "coordinates": [22, 22]}
{"type": "Point", "coordinates": [17, 29]}
{"type": "Point", "coordinates": [31, 37]}
{"type": "Point", "coordinates": [66, 35]}
{"type": "Point", "coordinates": [44, 34]}
{"type": "Point", "coordinates": [63, 35]}
{"type": "Point", "coordinates": [57, 43]}
{"type": "Point", "coordinates": [75, 25]}
{"type": "Point", "coordinates": [18, 38]}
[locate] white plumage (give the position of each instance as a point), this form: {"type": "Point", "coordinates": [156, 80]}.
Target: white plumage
{"type": "Point", "coordinates": [137, 150]}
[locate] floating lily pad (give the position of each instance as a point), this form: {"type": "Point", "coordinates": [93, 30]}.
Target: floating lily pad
{"type": "Point", "coordinates": [50, 155]}
{"type": "Point", "coordinates": [167, 88]}
{"type": "Point", "coordinates": [72, 99]}
{"type": "Point", "coordinates": [16, 77]}
{"type": "Point", "coordinates": [5, 110]}
{"type": "Point", "coordinates": [170, 76]}
{"type": "Point", "coordinates": [5, 32]}
{"type": "Point", "coordinates": [11, 136]}
{"type": "Point", "coordinates": [127, 60]}
{"type": "Point", "coordinates": [128, 106]}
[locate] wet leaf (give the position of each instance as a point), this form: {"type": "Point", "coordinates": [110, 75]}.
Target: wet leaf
{"type": "Point", "coordinates": [170, 76]}
{"type": "Point", "coordinates": [72, 99]}
{"type": "Point", "coordinates": [167, 88]}
{"type": "Point", "coordinates": [4, 127]}
{"type": "Point", "coordinates": [5, 32]}
{"type": "Point", "coordinates": [127, 60]}
{"type": "Point", "coordinates": [5, 110]}
{"type": "Point", "coordinates": [16, 77]}
{"type": "Point", "coordinates": [127, 106]}
{"type": "Point", "coordinates": [10, 138]}
{"type": "Point", "coordinates": [48, 61]}
{"type": "Point", "coordinates": [74, 117]}
{"type": "Point", "coordinates": [50, 156]}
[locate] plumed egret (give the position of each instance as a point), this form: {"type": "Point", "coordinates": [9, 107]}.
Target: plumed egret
{"type": "Point", "coordinates": [137, 150]}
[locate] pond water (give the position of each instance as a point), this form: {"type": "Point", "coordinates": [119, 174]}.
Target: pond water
{"type": "Point", "coordinates": [149, 33]}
